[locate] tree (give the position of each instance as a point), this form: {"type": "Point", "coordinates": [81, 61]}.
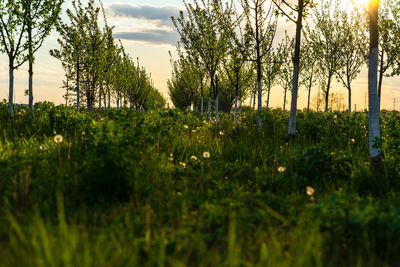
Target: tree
{"type": "Point", "coordinates": [389, 42]}
{"type": "Point", "coordinates": [374, 108]}
{"type": "Point", "coordinates": [12, 29]}
{"type": "Point", "coordinates": [352, 50]}
{"type": "Point", "coordinates": [260, 25]}
{"type": "Point", "coordinates": [200, 32]}
{"type": "Point", "coordinates": [301, 11]}
{"type": "Point", "coordinates": [71, 41]}
{"type": "Point", "coordinates": [285, 73]}
{"type": "Point", "coordinates": [326, 36]}
{"type": "Point", "coordinates": [308, 69]}
{"type": "Point", "coordinates": [238, 75]}
{"type": "Point", "coordinates": [40, 17]}
{"type": "Point", "coordinates": [271, 71]}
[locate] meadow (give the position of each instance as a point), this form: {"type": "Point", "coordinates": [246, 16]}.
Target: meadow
{"type": "Point", "coordinates": [170, 188]}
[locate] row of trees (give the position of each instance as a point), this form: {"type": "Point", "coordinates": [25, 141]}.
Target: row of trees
{"type": "Point", "coordinates": [227, 52]}
{"type": "Point", "coordinates": [24, 25]}
{"type": "Point", "coordinates": [334, 47]}
{"type": "Point", "coordinates": [97, 69]}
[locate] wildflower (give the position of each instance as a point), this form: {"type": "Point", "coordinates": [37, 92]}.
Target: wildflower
{"type": "Point", "coordinates": [206, 155]}
{"type": "Point", "coordinates": [281, 169]}
{"type": "Point", "coordinates": [193, 131]}
{"type": "Point", "coordinates": [310, 191]}
{"type": "Point", "coordinates": [353, 140]}
{"type": "Point", "coordinates": [171, 157]}
{"type": "Point", "coordinates": [194, 158]}
{"type": "Point", "coordinates": [58, 138]}
{"type": "Point", "coordinates": [221, 133]}
{"type": "Point", "coordinates": [83, 133]}
{"type": "Point", "coordinates": [183, 164]}
{"type": "Point", "coordinates": [178, 194]}
{"type": "Point", "coordinates": [43, 147]}
{"type": "Point", "coordinates": [185, 126]}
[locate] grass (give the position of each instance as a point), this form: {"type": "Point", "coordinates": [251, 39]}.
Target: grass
{"type": "Point", "coordinates": [123, 189]}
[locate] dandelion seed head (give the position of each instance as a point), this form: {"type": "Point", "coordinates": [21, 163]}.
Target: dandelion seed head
{"type": "Point", "coordinates": [310, 191]}
{"type": "Point", "coordinates": [281, 169]}
{"type": "Point", "coordinates": [43, 147]}
{"type": "Point", "coordinates": [206, 155]}
{"type": "Point", "coordinates": [58, 138]}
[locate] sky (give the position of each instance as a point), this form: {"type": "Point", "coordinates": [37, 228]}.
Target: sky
{"type": "Point", "coordinates": [146, 31]}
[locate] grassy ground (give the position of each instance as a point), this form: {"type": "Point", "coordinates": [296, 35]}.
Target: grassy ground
{"type": "Point", "coordinates": [167, 188]}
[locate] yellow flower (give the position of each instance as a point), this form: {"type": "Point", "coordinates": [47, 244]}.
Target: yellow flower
{"type": "Point", "coordinates": [281, 169]}
{"type": "Point", "coordinates": [185, 126]}
{"type": "Point", "coordinates": [310, 191]}
{"type": "Point", "coordinates": [58, 138]}
{"type": "Point", "coordinates": [206, 155]}
{"type": "Point", "coordinates": [221, 133]}
{"type": "Point", "coordinates": [353, 140]}
{"type": "Point", "coordinates": [193, 158]}
{"type": "Point", "coordinates": [171, 157]}
{"type": "Point", "coordinates": [183, 165]}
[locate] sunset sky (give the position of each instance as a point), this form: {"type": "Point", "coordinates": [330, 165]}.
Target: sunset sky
{"type": "Point", "coordinates": [146, 31]}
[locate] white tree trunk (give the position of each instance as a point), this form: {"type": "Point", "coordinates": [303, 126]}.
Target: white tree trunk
{"type": "Point", "coordinates": [373, 114]}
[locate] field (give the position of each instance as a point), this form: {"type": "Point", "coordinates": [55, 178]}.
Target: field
{"type": "Point", "coordinates": [169, 188]}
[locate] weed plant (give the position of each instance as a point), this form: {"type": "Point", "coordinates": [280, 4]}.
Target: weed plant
{"type": "Point", "coordinates": [169, 188]}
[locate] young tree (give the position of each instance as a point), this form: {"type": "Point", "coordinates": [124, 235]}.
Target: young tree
{"type": "Point", "coordinates": [40, 17]}
{"type": "Point", "coordinates": [308, 69]}
{"type": "Point", "coordinates": [71, 43]}
{"type": "Point", "coordinates": [301, 11]}
{"type": "Point", "coordinates": [373, 114]}
{"type": "Point", "coordinates": [260, 25]}
{"type": "Point", "coordinates": [352, 50]}
{"type": "Point", "coordinates": [201, 32]}
{"type": "Point", "coordinates": [285, 50]}
{"type": "Point", "coordinates": [326, 36]}
{"type": "Point", "coordinates": [12, 30]}
{"type": "Point", "coordinates": [271, 71]}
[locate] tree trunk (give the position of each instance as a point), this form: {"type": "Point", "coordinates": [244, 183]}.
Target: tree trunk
{"type": "Point", "coordinates": [66, 96]}
{"type": "Point", "coordinates": [373, 114]}
{"type": "Point", "coordinates": [296, 70]}
{"type": "Point", "coordinates": [209, 106]}
{"type": "Point", "coordinates": [216, 100]}
{"type": "Point", "coordinates": [77, 85]}
{"type": "Point", "coordinates": [202, 96]}
{"type": "Point", "coordinates": [236, 106]}
{"type": "Point", "coordinates": [380, 80]}
{"type": "Point", "coordinates": [284, 100]}
{"type": "Point", "coordinates": [327, 94]}
{"type": "Point", "coordinates": [99, 100]}
{"type": "Point", "coordinates": [11, 86]}
{"type": "Point", "coordinates": [269, 92]}
{"type": "Point", "coordinates": [30, 55]}
{"type": "Point", "coordinates": [308, 99]}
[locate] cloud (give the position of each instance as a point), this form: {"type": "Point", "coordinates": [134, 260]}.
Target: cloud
{"type": "Point", "coordinates": [155, 36]}
{"type": "Point", "coordinates": [159, 14]}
